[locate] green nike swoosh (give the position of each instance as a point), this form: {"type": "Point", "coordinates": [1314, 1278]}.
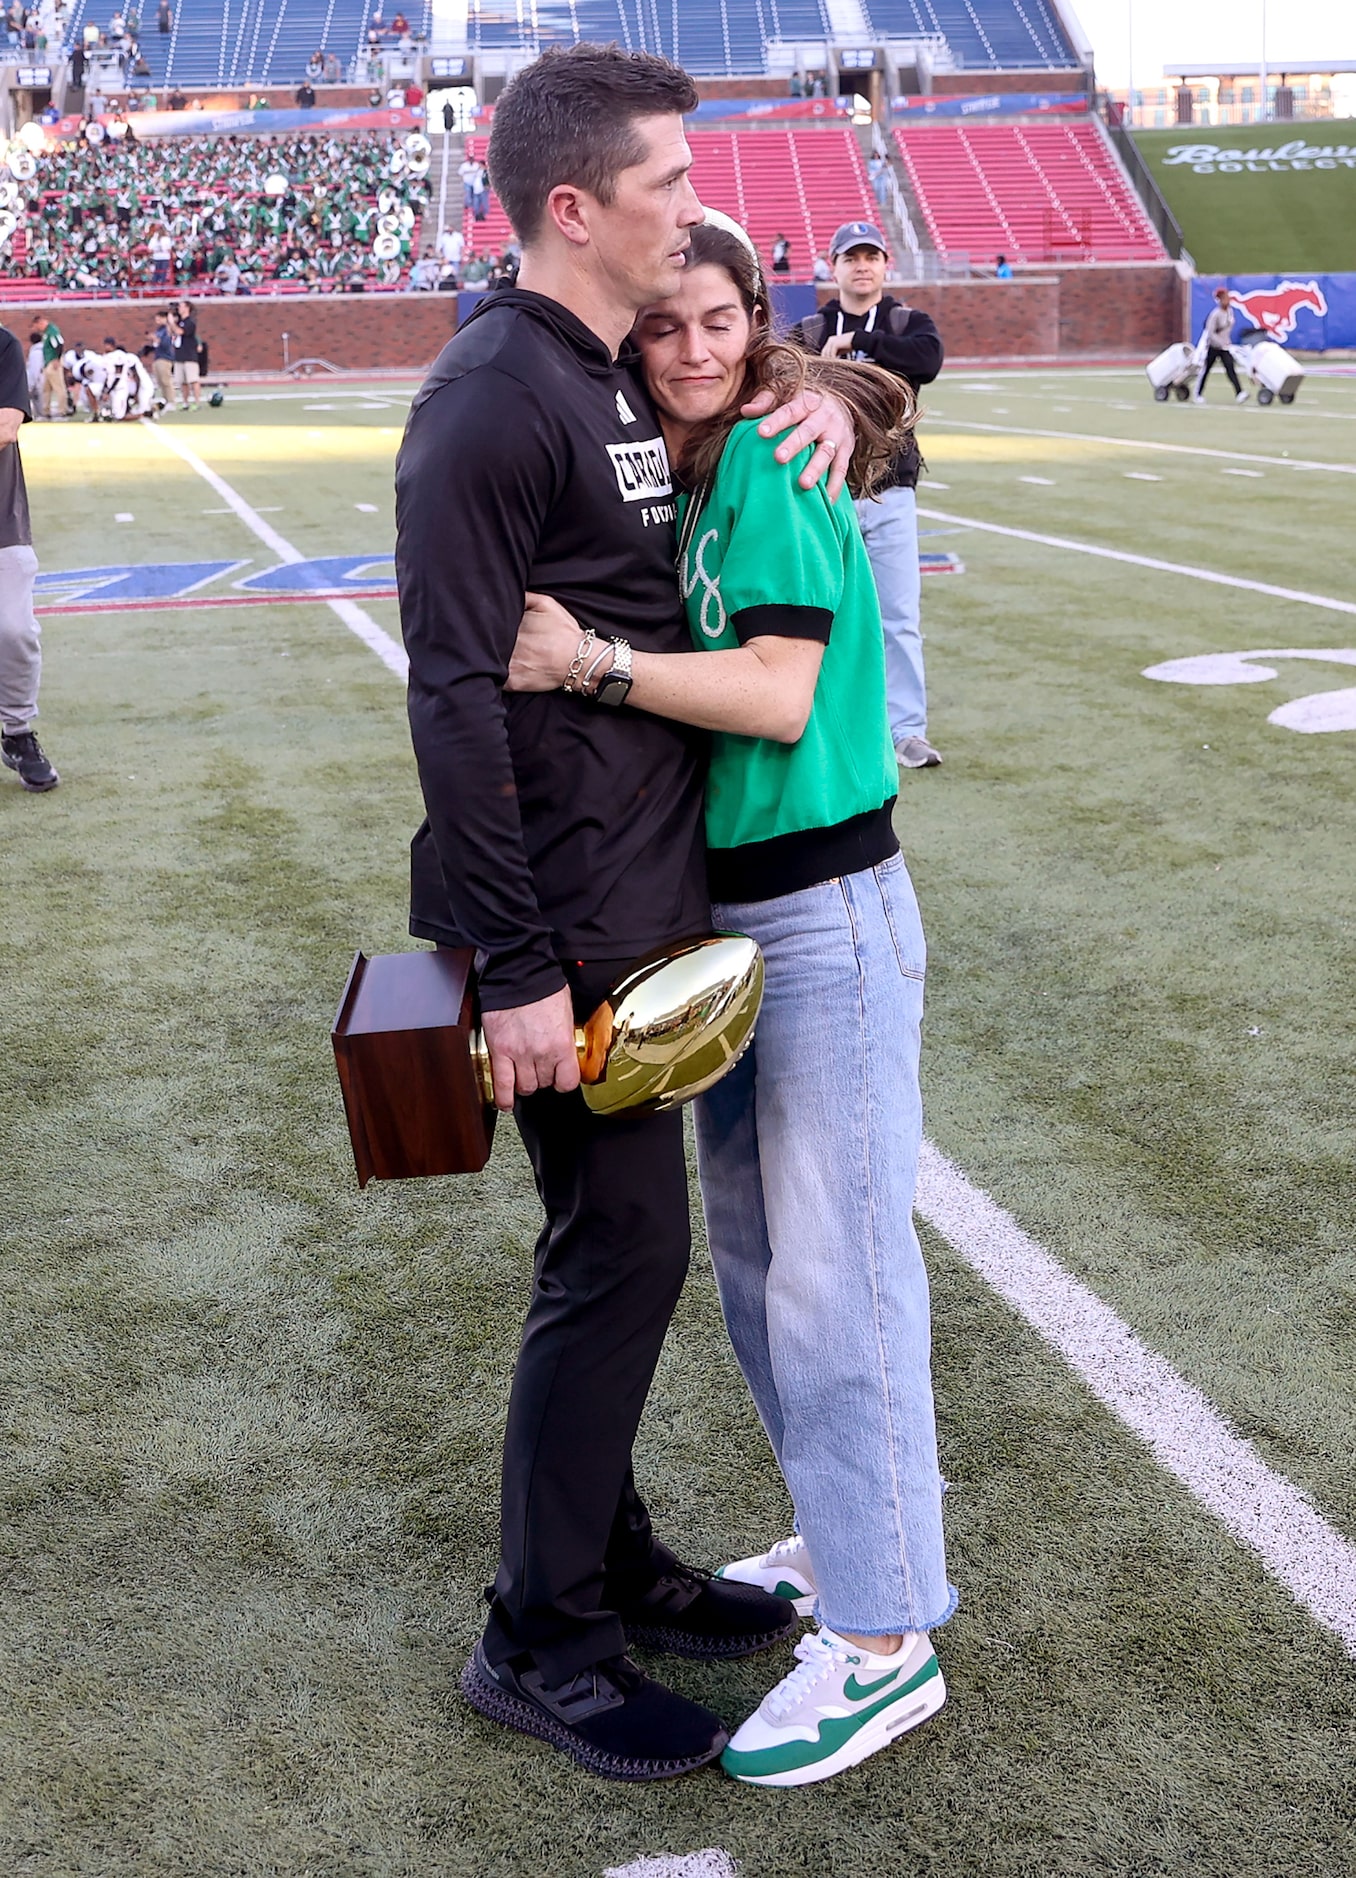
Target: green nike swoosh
{"type": "Point", "coordinates": [833, 1732]}
{"type": "Point", "coordinates": [858, 1691]}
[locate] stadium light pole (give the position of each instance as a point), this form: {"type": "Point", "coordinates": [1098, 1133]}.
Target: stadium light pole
{"type": "Point", "coordinates": [1263, 85]}
{"type": "Point", "coordinates": [1130, 61]}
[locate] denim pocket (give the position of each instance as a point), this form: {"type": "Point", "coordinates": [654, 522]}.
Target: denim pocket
{"type": "Point", "coordinates": [901, 915]}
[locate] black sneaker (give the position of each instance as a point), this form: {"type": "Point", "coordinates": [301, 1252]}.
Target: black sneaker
{"type": "Point", "coordinates": [24, 753]}
{"type": "Point", "coordinates": [611, 1718]}
{"type": "Point", "coordinates": [689, 1612]}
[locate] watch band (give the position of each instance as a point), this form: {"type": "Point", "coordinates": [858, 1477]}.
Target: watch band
{"type": "Point", "coordinates": [613, 687]}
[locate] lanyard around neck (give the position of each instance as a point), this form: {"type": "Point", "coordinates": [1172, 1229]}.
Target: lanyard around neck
{"type": "Point", "coordinates": [696, 503]}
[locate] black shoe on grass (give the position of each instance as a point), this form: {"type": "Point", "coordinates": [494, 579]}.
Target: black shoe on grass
{"type": "Point", "coordinates": [24, 753]}
{"type": "Point", "coordinates": [611, 1718]}
{"type": "Point", "coordinates": [689, 1612]}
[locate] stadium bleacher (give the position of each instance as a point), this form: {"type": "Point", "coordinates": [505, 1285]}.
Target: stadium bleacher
{"type": "Point", "coordinates": [721, 36]}
{"type": "Point", "coordinates": [1012, 34]}
{"type": "Point", "coordinates": [800, 183]}
{"type": "Point", "coordinates": [1035, 192]}
{"type": "Point", "coordinates": [254, 42]}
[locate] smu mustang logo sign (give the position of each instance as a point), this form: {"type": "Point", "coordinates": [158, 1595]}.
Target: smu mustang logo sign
{"type": "Point", "coordinates": [1274, 309]}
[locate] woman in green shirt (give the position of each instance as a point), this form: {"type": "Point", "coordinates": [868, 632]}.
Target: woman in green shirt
{"type": "Point", "coordinates": [809, 1147]}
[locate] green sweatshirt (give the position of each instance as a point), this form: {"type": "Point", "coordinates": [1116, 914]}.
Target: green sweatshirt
{"type": "Point", "coordinates": [766, 557]}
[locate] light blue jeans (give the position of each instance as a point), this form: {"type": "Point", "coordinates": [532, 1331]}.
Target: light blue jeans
{"type": "Point", "coordinates": [808, 1151]}
{"type": "Point", "coordinates": [890, 530]}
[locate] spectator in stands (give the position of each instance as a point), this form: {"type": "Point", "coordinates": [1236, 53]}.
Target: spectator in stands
{"type": "Point", "coordinates": [20, 640]}
{"type": "Point", "coordinates": [1217, 341]}
{"type": "Point", "coordinates": [1002, 268]}
{"type": "Point", "coordinates": [161, 250]}
{"type": "Point", "coordinates": [177, 101]}
{"type": "Point", "coordinates": [400, 25]}
{"type": "Point", "coordinates": [864, 322]}
{"type": "Point", "coordinates": [164, 17]}
{"type": "Point", "coordinates": [304, 95]}
{"type": "Point", "coordinates": [781, 255]}
{"type": "Point", "coordinates": [333, 71]}
{"type": "Point", "coordinates": [796, 87]}
{"type": "Point", "coordinates": [469, 172]}
{"type": "Point", "coordinates": [451, 243]}
{"type": "Point", "coordinates": [821, 269]}
{"type": "Point", "coordinates": [414, 96]}
{"type": "Point", "coordinates": [878, 170]}
{"type": "Point", "coordinates": [315, 66]}
{"type": "Point", "coordinates": [78, 67]}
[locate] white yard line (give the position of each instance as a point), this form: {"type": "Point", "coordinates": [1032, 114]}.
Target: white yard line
{"type": "Point", "coordinates": [1136, 443]}
{"type": "Point", "coordinates": [1182, 1429]}
{"type": "Point", "coordinates": [361, 624]}
{"type": "Point", "coordinates": [1145, 560]}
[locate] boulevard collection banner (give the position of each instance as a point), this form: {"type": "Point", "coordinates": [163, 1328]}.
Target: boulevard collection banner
{"type": "Point", "coordinates": [1236, 159]}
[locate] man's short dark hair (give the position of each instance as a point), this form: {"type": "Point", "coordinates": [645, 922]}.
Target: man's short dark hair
{"type": "Point", "coordinates": [570, 118]}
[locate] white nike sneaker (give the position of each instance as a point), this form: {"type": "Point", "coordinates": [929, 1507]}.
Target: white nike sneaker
{"type": "Point", "coordinates": [785, 1571]}
{"type": "Point", "coordinates": [839, 1704]}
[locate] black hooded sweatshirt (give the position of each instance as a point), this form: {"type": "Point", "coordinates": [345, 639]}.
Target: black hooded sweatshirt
{"type": "Point", "coordinates": [902, 339]}
{"type": "Point", "coordinates": [556, 828]}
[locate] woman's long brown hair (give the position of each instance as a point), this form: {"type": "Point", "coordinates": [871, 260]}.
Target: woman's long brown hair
{"type": "Point", "coordinates": [883, 407]}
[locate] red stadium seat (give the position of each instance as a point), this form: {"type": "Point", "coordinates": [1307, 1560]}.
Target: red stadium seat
{"type": "Point", "coordinates": [1035, 192]}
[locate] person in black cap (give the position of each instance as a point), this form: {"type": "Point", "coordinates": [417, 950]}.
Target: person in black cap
{"type": "Point", "coordinates": [865, 322]}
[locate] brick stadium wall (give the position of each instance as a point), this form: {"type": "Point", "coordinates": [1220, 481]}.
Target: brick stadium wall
{"type": "Point", "coordinates": [1062, 311]}
{"type": "Point", "coordinates": [741, 87]}
{"type": "Point", "coordinates": [974, 83]}
{"type": "Point", "coordinates": [361, 331]}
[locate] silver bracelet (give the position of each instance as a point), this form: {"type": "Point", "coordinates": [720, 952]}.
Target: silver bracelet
{"type": "Point", "coordinates": [585, 647]}
{"type": "Point", "coordinates": [587, 682]}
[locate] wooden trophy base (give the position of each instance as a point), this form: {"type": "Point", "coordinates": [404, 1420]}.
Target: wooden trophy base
{"type": "Point", "coordinates": [403, 1049]}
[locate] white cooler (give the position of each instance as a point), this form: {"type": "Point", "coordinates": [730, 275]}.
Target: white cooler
{"type": "Point", "coordinates": [1271, 369]}
{"type": "Point", "coordinates": [1171, 370]}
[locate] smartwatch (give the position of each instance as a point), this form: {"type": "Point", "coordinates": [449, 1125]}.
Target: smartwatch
{"type": "Point", "coordinates": [614, 687]}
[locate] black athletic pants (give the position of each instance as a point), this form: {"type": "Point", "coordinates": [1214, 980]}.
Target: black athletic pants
{"type": "Point", "coordinates": [610, 1265]}
{"type": "Point", "coordinates": [1226, 359]}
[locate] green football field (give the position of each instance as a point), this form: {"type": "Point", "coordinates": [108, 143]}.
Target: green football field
{"type": "Point", "coordinates": [252, 1415]}
{"type": "Point", "coordinates": [1261, 220]}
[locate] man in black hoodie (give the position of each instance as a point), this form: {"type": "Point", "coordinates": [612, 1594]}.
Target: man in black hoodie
{"type": "Point", "coordinates": [563, 841]}
{"type": "Point", "coordinates": [865, 322]}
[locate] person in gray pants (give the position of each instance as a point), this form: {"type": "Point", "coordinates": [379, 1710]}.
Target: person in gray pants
{"type": "Point", "coordinates": [20, 646]}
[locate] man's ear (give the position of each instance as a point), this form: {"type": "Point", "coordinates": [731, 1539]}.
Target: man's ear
{"type": "Point", "coordinates": [567, 209]}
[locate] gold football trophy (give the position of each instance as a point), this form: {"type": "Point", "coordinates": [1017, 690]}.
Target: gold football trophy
{"type": "Point", "coordinates": [415, 1069]}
